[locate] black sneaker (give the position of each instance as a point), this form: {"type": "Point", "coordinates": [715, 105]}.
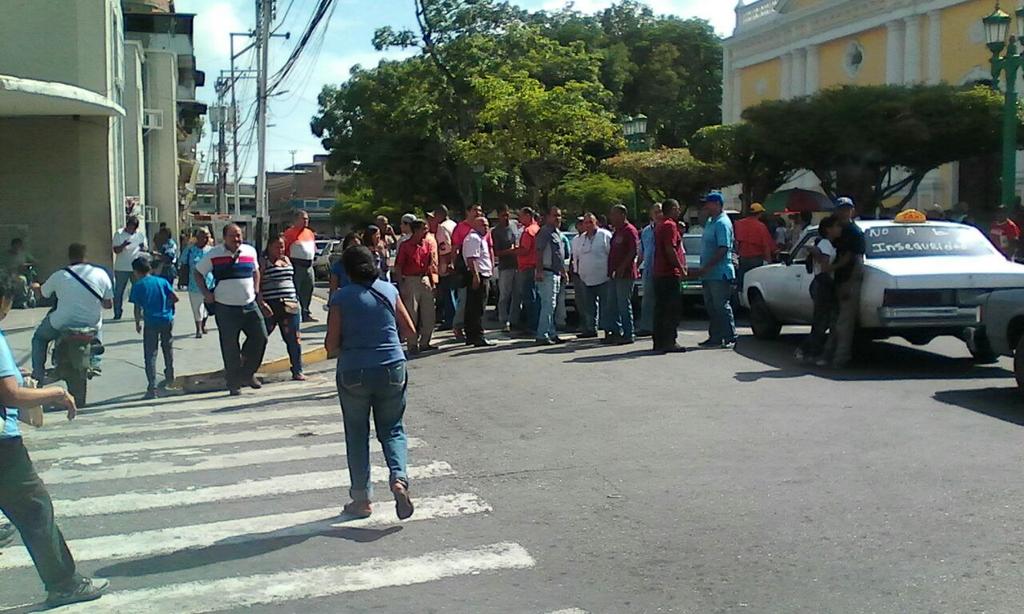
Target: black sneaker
{"type": "Point", "coordinates": [586, 336]}
{"type": "Point", "coordinates": [7, 533]}
{"type": "Point", "coordinates": [150, 395]}
{"type": "Point", "coordinates": [544, 342]}
{"type": "Point", "coordinates": [87, 589]}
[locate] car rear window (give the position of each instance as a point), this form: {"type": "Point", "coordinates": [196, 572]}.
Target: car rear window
{"type": "Point", "coordinates": [919, 240]}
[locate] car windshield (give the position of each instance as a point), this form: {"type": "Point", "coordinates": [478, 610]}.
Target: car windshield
{"type": "Point", "coordinates": [918, 241]}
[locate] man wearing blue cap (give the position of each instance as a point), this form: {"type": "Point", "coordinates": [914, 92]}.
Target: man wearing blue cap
{"type": "Point", "coordinates": [718, 273]}
{"type": "Point", "coordinates": [848, 271]}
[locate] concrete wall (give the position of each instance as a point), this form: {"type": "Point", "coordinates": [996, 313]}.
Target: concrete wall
{"type": "Point", "coordinates": [134, 168]}
{"type": "Point", "coordinates": [58, 40]}
{"type": "Point", "coordinates": [161, 73]}
{"type": "Point", "coordinates": [54, 178]}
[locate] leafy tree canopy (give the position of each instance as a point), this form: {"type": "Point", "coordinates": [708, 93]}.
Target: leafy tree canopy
{"type": "Point", "coordinates": [667, 173]}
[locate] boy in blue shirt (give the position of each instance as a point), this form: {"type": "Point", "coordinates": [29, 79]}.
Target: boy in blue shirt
{"type": "Point", "coordinates": [154, 299]}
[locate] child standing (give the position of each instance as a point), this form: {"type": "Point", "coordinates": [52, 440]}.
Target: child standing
{"type": "Point", "coordinates": [154, 299]}
{"type": "Point", "coordinates": [823, 290]}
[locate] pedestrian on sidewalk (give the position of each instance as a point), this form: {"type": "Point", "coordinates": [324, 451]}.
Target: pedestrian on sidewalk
{"type": "Point", "coordinates": [669, 271]}
{"type": "Point", "coordinates": [823, 291]}
{"type": "Point", "coordinates": [165, 254]}
{"type": "Point", "coordinates": [279, 302]}
{"type": "Point", "coordinates": [646, 326]}
{"type": "Point", "coordinates": [590, 252]}
{"type": "Point", "coordinates": [503, 237]}
{"type": "Point", "coordinates": [717, 273]}
{"type": "Point", "coordinates": [128, 244]}
{"type": "Point", "coordinates": [550, 275]}
{"type": "Point", "coordinates": [623, 272]}
{"type": "Point", "coordinates": [364, 330]}
{"type": "Point", "coordinates": [462, 230]}
{"type": "Point", "coordinates": [754, 242]}
{"type": "Point", "coordinates": [300, 247]}
{"type": "Point", "coordinates": [23, 496]}
{"type": "Point", "coordinates": [374, 240]}
{"type": "Point", "coordinates": [477, 251]}
{"type": "Point", "coordinates": [849, 277]}
{"type": "Point", "coordinates": [190, 258]}
{"type": "Point", "coordinates": [339, 278]}
{"type": "Point", "coordinates": [236, 270]}
{"type": "Point", "coordinates": [415, 268]}
{"type": "Point", "coordinates": [446, 285]}
{"type": "Point", "coordinates": [154, 299]}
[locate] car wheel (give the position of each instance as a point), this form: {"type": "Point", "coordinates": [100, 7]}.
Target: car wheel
{"type": "Point", "coordinates": [981, 350]}
{"type": "Point", "coordinates": [762, 321]}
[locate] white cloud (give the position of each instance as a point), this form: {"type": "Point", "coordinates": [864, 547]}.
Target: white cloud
{"type": "Point", "coordinates": [212, 26]}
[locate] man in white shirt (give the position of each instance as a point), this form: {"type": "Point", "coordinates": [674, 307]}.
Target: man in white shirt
{"type": "Point", "coordinates": [128, 244]}
{"type": "Point", "coordinates": [235, 267]}
{"type": "Point", "coordinates": [590, 256]}
{"type": "Point", "coordinates": [83, 291]}
{"type": "Point", "coordinates": [446, 286]}
{"type": "Point", "coordinates": [480, 268]}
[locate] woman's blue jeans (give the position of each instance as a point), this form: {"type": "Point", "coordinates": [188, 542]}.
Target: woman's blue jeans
{"type": "Point", "coordinates": [378, 392]}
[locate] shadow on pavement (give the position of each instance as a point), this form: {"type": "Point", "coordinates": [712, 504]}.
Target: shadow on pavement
{"type": "Point", "coordinates": [637, 353]}
{"type": "Point", "coordinates": [1006, 404]}
{"type": "Point", "coordinates": [243, 547]}
{"type": "Point", "coordinates": [875, 361]}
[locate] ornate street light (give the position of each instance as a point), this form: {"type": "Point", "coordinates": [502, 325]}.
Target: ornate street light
{"type": "Point", "coordinates": [998, 39]}
{"type": "Point", "coordinates": [635, 131]}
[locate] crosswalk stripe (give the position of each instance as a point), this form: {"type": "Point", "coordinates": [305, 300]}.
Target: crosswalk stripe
{"type": "Point", "coordinates": [86, 427]}
{"type": "Point", "coordinates": [269, 433]}
{"type": "Point", "coordinates": [274, 588]}
{"type": "Point", "coordinates": [294, 524]}
{"type": "Point", "coordinates": [107, 471]}
{"type": "Point", "coordinates": [139, 501]}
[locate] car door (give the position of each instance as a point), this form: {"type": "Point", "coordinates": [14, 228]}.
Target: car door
{"type": "Point", "coordinates": [795, 284]}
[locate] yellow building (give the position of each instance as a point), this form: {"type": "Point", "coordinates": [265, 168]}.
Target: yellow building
{"type": "Point", "coordinates": [788, 48]}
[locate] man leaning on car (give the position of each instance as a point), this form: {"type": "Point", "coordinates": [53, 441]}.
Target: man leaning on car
{"type": "Point", "coordinates": [849, 276]}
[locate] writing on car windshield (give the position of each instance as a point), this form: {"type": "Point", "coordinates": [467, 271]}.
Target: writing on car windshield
{"type": "Point", "coordinates": [919, 241]}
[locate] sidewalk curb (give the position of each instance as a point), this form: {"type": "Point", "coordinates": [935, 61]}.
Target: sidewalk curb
{"type": "Point", "coordinates": [214, 380]}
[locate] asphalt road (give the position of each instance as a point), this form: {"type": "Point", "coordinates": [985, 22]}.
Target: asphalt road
{"type": "Point", "coordinates": [575, 478]}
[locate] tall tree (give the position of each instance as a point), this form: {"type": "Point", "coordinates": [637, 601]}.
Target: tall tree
{"type": "Point", "coordinates": [759, 170]}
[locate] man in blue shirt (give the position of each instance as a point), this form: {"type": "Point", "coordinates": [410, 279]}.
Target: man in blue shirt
{"type": "Point", "coordinates": [718, 273]}
{"type": "Point", "coordinates": [154, 299]}
{"type": "Point", "coordinates": [647, 259]}
{"type": "Point", "coordinates": [23, 496]}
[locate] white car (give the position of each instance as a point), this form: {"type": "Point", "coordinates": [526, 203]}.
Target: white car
{"type": "Point", "coordinates": [921, 281]}
{"type": "Point", "coordinates": [322, 262]}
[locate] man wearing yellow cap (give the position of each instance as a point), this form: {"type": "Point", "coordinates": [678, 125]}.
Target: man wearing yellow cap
{"type": "Point", "coordinates": [755, 245]}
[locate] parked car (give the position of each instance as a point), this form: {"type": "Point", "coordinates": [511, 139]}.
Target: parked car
{"type": "Point", "coordinates": [322, 262]}
{"type": "Point", "coordinates": [921, 281]}
{"type": "Point", "coordinates": [1002, 328]}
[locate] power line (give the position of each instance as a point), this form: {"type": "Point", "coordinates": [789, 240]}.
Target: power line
{"type": "Point", "coordinates": [324, 8]}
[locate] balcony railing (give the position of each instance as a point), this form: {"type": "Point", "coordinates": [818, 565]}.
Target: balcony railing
{"type": "Point", "coordinates": [751, 14]}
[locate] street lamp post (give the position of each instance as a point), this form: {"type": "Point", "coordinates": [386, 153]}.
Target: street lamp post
{"type": "Point", "coordinates": [635, 131]}
{"type": "Point", "coordinates": [998, 39]}
{"type": "Point", "coordinates": [478, 183]}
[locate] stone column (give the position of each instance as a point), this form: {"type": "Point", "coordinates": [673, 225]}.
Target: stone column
{"type": "Point", "coordinates": [812, 82]}
{"type": "Point", "coordinates": [727, 87]}
{"type": "Point", "coordinates": [894, 52]}
{"type": "Point", "coordinates": [785, 78]}
{"type": "Point", "coordinates": [934, 47]}
{"type": "Point", "coordinates": [799, 72]}
{"type": "Point", "coordinates": [737, 96]}
{"type": "Point", "coordinates": [912, 49]}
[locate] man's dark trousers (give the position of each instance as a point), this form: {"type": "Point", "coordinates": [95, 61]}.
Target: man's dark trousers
{"type": "Point", "coordinates": [24, 500]}
{"type": "Point", "coordinates": [667, 308]}
{"type": "Point", "coordinates": [476, 301]}
{"type": "Point", "coordinates": [153, 335]}
{"type": "Point", "coordinates": [240, 363]}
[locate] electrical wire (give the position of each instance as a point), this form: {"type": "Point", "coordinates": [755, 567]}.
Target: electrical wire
{"type": "Point", "coordinates": [324, 8]}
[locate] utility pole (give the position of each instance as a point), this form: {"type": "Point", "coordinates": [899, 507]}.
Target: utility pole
{"type": "Point", "coordinates": [220, 123]}
{"type": "Point", "coordinates": [263, 45]}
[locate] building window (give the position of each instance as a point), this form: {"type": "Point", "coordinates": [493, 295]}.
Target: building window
{"type": "Point", "coordinates": [853, 59]}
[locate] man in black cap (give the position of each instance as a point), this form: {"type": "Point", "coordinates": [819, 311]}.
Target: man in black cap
{"type": "Point", "coordinates": [849, 275]}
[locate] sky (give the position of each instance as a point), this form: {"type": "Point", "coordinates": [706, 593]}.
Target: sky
{"type": "Point", "coordinates": [347, 43]}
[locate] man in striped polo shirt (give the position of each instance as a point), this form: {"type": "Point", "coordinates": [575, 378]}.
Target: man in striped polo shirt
{"type": "Point", "coordinates": [236, 269]}
{"type": "Point", "coordinates": [300, 246]}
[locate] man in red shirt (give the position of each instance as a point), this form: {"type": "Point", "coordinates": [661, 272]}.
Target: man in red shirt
{"type": "Point", "coordinates": [669, 271]}
{"type": "Point", "coordinates": [527, 257]}
{"type": "Point", "coordinates": [755, 244]}
{"type": "Point", "coordinates": [1004, 233]}
{"type": "Point", "coordinates": [624, 273]}
{"type": "Point", "coordinates": [416, 268]}
{"type": "Point", "coordinates": [300, 245]}
{"type": "Point", "coordinates": [462, 230]}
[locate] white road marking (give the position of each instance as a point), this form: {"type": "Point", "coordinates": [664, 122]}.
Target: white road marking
{"type": "Point", "coordinates": [95, 428]}
{"type": "Point", "coordinates": [569, 611]}
{"type": "Point", "coordinates": [267, 433]}
{"type": "Point", "coordinates": [139, 501]}
{"type": "Point", "coordinates": [61, 475]}
{"type": "Point", "coordinates": [275, 588]}
{"type": "Point", "coordinates": [294, 524]}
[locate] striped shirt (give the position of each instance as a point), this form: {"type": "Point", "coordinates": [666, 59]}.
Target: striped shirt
{"type": "Point", "coordinates": [233, 272]}
{"type": "Point", "coordinates": [278, 282]}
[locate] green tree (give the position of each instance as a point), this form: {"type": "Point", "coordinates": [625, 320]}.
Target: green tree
{"type": "Point", "coordinates": [733, 148]}
{"type": "Point", "coordinates": [596, 192]}
{"type": "Point", "coordinates": [877, 142]}
{"type": "Point", "coordinates": [667, 173]}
